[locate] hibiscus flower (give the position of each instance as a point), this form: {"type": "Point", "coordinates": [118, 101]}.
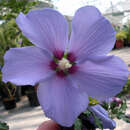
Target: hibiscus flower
{"type": "Point", "coordinates": [67, 70]}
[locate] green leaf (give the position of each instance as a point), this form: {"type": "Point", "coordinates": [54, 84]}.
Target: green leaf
{"type": "Point", "coordinates": [114, 111]}
{"type": "Point", "coordinates": [126, 119]}
{"type": "Point", "coordinates": [4, 126]}
{"type": "Point", "coordinates": [120, 115]}
{"type": "Point", "coordinates": [124, 106]}
{"type": "Point", "coordinates": [87, 113]}
{"type": "Point", "coordinates": [98, 122]}
{"type": "Point", "coordinates": [78, 124]}
{"type": "Point", "coordinates": [105, 105]}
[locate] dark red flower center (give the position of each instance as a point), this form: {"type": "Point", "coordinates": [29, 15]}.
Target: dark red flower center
{"type": "Point", "coordinates": [63, 63]}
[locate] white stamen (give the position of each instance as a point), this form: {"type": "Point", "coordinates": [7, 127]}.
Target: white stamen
{"type": "Point", "coordinates": [64, 64]}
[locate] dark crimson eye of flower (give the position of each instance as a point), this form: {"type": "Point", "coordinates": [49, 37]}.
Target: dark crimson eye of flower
{"type": "Point", "coordinates": [63, 63]}
{"type": "Point", "coordinates": [53, 65]}
{"type": "Point", "coordinates": [71, 57]}
{"type": "Point", "coordinates": [58, 54]}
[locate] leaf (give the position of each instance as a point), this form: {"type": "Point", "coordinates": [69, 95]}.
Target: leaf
{"type": "Point", "coordinates": [78, 124]}
{"type": "Point", "coordinates": [98, 122]}
{"type": "Point", "coordinates": [115, 111]}
{"type": "Point", "coordinates": [4, 126]}
{"type": "Point", "coordinates": [87, 113]}
{"type": "Point", "coordinates": [126, 119]}
{"type": "Point", "coordinates": [105, 105]}
{"type": "Point", "coordinates": [120, 115]}
{"type": "Point", "coordinates": [124, 106]}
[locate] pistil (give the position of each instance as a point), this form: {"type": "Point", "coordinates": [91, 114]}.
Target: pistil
{"type": "Point", "coordinates": [64, 64]}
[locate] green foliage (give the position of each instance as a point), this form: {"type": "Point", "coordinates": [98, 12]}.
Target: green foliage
{"type": "Point", "coordinates": [117, 28]}
{"type": "Point", "coordinates": [11, 8]}
{"type": "Point", "coordinates": [78, 125]}
{"type": "Point", "coordinates": [3, 126]}
{"type": "Point", "coordinates": [116, 110]}
{"type": "Point", "coordinates": [83, 121]}
{"type": "Point", "coordinates": [9, 31]}
{"type": "Point", "coordinates": [126, 118]}
{"type": "Point", "coordinates": [126, 90]}
{"type": "Point", "coordinates": [93, 101]}
{"type": "Point", "coordinates": [8, 36]}
{"type": "Point", "coordinates": [87, 113]}
{"type": "Point", "coordinates": [121, 35]}
{"type": "Point", "coordinates": [126, 28]}
{"type": "Point", "coordinates": [98, 122]}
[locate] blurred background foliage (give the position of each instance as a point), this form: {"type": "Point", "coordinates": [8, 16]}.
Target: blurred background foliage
{"type": "Point", "coordinates": [9, 31]}
{"type": "Point", "coordinates": [125, 91]}
{"type": "Point", "coordinates": [3, 126]}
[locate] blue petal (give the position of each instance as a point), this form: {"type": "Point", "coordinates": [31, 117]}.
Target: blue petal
{"type": "Point", "coordinates": [102, 114]}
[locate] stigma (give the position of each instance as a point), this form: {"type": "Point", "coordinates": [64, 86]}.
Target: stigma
{"type": "Point", "coordinates": [64, 64]}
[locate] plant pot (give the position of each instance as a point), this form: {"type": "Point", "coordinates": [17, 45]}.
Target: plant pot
{"type": "Point", "coordinates": [32, 97]}
{"type": "Point", "coordinates": [9, 103]}
{"type": "Point", "coordinates": [119, 44]}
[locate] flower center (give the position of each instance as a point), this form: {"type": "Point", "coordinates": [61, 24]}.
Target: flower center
{"type": "Point", "coordinates": [64, 64]}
